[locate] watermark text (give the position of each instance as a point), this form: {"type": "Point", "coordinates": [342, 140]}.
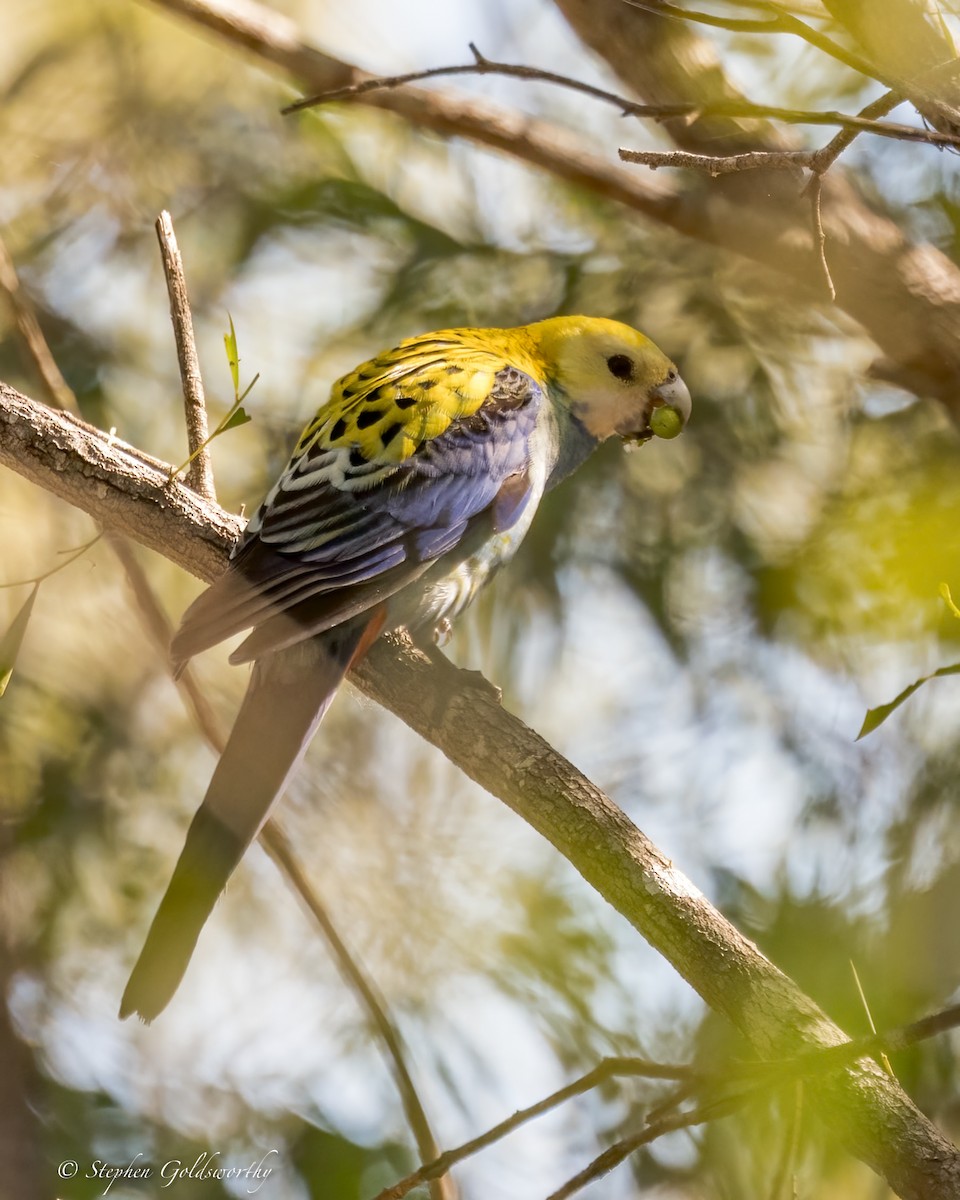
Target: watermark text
{"type": "Point", "coordinates": [208, 1165]}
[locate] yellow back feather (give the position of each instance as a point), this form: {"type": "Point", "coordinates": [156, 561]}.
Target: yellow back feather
{"type": "Point", "coordinates": [391, 405]}
{"type": "Point", "coordinates": [422, 386]}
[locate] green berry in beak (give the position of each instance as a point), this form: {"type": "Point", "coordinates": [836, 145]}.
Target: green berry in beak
{"type": "Point", "coordinates": [666, 421]}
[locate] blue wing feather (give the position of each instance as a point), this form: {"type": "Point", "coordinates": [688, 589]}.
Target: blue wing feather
{"type": "Point", "coordinates": [334, 529]}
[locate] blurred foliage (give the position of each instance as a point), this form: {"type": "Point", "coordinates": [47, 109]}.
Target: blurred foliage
{"type": "Point", "coordinates": [700, 625]}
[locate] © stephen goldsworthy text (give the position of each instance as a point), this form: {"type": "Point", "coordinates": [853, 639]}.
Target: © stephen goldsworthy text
{"type": "Point", "coordinates": [206, 1166]}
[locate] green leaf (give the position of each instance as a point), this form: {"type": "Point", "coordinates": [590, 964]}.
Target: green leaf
{"type": "Point", "coordinates": [876, 716]}
{"type": "Point", "coordinates": [948, 599]}
{"type": "Point", "coordinates": [233, 355]}
{"type": "Point", "coordinates": [12, 640]}
{"type": "Point", "coordinates": [237, 418]}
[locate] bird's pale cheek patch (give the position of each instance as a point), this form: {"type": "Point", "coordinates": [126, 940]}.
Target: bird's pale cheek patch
{"type": "Point", "coordinates": [605, 415]}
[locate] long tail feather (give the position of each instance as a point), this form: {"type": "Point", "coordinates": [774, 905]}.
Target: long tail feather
{"type": "Point", "coordinates": [288, 695]}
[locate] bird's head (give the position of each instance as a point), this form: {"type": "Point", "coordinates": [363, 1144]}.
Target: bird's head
{"type": "Point", "coordinates": [615, 380]}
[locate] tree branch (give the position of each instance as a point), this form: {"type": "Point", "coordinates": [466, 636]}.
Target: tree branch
{"type": "Point", "coordinates": [200, 469]}
{"type": "Point", "coordinates": [722, 164]}
{"type": "Point", "coordinates": [826, 156]}
{"type": "Point", "coordinates": [859, 123]}
{"type": "Point", "coordinates": [718, 1091]}
{"type": "Point", "coordinates": [867, 1109]}
{"type": "Point", "coordinates": [815, 192]}
{"type": "Point", "coordinates": [610, 1068]}
{"type": "Point", "coordinates": [114, 483]}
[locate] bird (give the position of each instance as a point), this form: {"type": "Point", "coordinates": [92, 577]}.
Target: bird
{"type": "Point", "coordinates": [405, 494]}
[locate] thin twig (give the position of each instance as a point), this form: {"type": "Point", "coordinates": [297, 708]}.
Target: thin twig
{"type": "Point", "coordinates": [797, 9]}
{"type": "Point", "coordinates": [930, 63]}
{"type": "Point", "coordinates": [819, 237]}
{"type": "Point", "coordinates": [71, 557]}
{"type": "Point", "coordinates": [628, 107]}
{"type": "Point", "coordinates": [817, 161]}
{"type": "Point", "coordinates": [615, 1154]}
{"type": "Point", "coordinates": [720, 1090]}
{"type": "Point", "coordinates": [882, 1058]}
{"type": "Point", "coordinates": [825, 157]}
{"type": "Point", "coordinates": [200, 469]}
{"type": "Point", "coordinates": [782, 21]}
{"type": "Point", "coordinates": [725, 1093]}
{"type": "Point", "coordinates": [741, 1077]}
{"type": "Point", "coordinates": [752, 160]}
{"type": "Point", "coordinates": [275, 842]}
{"type": "Point", "coordinates": [720, 164]}
{"type": "Point", "coordinates": [480, 66]}
{"type": "Point", "coordinates": [609, 1068]}
{"type": "Point", "coordinates": [797, 116]}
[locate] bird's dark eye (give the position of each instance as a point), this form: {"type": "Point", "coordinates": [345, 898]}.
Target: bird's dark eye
{"type": "Point", "coordinates": [620, 365]}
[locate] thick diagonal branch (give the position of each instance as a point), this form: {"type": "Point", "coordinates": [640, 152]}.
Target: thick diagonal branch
{"type": "Point", "coordinates": [877, 1122]}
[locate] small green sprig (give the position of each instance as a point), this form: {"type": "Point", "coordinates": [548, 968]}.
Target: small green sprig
{"type": "Point", "coordinates": [237, 414]}
{"type": "Point", "coordinates": [876, 716]}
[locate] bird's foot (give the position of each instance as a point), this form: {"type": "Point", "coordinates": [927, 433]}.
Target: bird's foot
{"type": "Point", "coordinates": [450, 681]}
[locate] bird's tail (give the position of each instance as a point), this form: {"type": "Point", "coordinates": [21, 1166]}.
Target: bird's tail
{"type": "Point", "coordinates": [289, 693]}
